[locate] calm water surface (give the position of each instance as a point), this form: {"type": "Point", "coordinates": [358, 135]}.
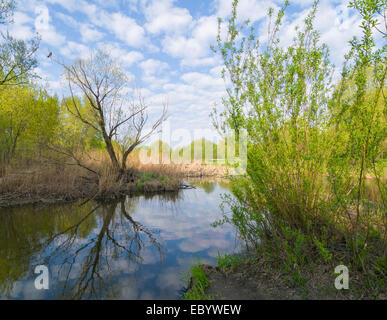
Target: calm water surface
{"type": "Point", "coordinates": [137, 248]}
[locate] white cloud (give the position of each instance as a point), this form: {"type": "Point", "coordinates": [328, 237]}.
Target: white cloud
{"type": "Point", "coordinates": [162, 16]}
{"type": "Point", "coordinates": [122, 26]}
{"type": "Point", "coordinates": [44, 27]}
{"type": "Point", "coordinates": [22, 26]}
{"type": "Point", "coordinates": [74, 50]}
{"type": "Point", "coordinates": [90, 34]}
{"type": "Point", "coordinates": [152, 66]}
{"type": "Point", "coordinates": [126, 58]}
{"type": "Point", "coordinates": [191, 99]}
{"type": "Point", "coordinates": [195, 49]}
{"type": "Point", "coordinates": [203, 81]}
{"type": "Point", "coordinates": [69, 5]}
{"type": "Point", "coordinates": [126, 29]}
{"type": "Point", "coordinates": [154, 74]}
{"type": "Point", "coordinates": [68, 20]}
{"type": "Point", "coordinates": [336, 31]}
{"type": "Point", "coordinates": [253, 10]}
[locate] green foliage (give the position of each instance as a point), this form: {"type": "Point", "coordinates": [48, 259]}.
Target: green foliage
{"type": "Point", "coordinates": [285, 116]}
{"type": "Point", "coordinates": [17, 61]}
{"type": "Point", "coordinates": [324, 252]}
{"type": "Point", "coordinates": [199, 282]}
{"type": "Point", "coordinates": [75, 134]}
{"type": "Point", "coordinates": [6, 10]}
{"type": "Point", "coordinates": [295, 247]}
{"type": "Point", "coordinates": [140, 186]}
{"type": "Point", "coordinates": [196, 151]}
{"type": "Point", "coordinates": [359, 115]}
{"type": "Point", "coordinates": [28, 118]}
{"type": "Point", "coordinates": [227, 261]}
{"type": "Point", "coordinates": [312, 142]}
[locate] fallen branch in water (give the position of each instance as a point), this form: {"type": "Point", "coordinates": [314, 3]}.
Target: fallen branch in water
{"type": "Point", "coordinates": [186, 186]}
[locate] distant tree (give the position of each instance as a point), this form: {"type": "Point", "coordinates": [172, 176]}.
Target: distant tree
{"type": "Point", "coordinates": [28, 117]}
{"type": "Point", "coordinates": [161, 151]}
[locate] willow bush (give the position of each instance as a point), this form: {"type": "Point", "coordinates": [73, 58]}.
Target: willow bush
{"type": "Point", "coordinates": [312, 142]}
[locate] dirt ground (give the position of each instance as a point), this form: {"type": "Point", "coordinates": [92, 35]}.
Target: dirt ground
{"type": "Point", "coordinates": [237, 284]}
{"type": "Point", "coordinates": [252, 281]}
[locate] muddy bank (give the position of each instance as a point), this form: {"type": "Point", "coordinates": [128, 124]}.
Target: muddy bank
{"type": "Point", "coordinates": [14, 201]}
{"type": "Point", "coordinates": [64, 184]}
{"type": "Point", "coordinates": [252, 280]}
{"type": "Point", "coordinates": [243, 283]}
{"type": "Point", "coordinates": [86, 188]}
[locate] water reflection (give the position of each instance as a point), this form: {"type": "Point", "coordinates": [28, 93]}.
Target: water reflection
{"type": "Point", "coordinates": [136, 248]}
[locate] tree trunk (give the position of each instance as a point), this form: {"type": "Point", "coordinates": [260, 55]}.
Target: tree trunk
{"type": "Point", "coordinates": [110, 150]}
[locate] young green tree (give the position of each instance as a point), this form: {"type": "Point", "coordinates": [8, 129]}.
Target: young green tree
{"type": "Point", "coordinates": [312, 143]}
{"type": "Point", "coordinates": [359, 108]}
{"type": "Point", "coordinates": [280, 95]}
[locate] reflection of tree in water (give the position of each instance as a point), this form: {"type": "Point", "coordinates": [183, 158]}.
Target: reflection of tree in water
{"type": "Point", "coordinates": [207, 186]}
{"type": "Point", "coordinates": [82, 242]}
{"type": "Point", "coordinates": [23, 233]}
{"type": "Point", "coordinates": [170, 197]}
{"type": "Point", "coordinates": [117, 237]}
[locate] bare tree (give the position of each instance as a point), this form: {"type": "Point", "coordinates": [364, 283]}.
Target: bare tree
{"type": "Point", "coordinates": [109, 110]}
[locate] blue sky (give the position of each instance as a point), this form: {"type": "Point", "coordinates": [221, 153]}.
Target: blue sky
{"type": "Point", "coordinates": [163, 44]}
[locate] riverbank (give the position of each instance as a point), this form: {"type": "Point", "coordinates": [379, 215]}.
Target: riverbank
{"type": "Point", "coordinates": [66, 184]}
{"type": "Point", "coordinates": [254, 278]}
{"type": "Point", "coordinates": [86, 188]}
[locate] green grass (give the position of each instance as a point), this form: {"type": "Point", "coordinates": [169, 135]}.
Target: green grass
{"type": "Point", "coordinates": [140, 186]}
{"type": "Point", "coordinates": [227, 261]}
{"type": "Point", "coordinates": [200, 283]}
{"type": "Point", "coordinates": [147, 176]}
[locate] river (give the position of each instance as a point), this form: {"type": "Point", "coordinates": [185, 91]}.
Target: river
{"type": "Point", "coordinates": [136, 248]}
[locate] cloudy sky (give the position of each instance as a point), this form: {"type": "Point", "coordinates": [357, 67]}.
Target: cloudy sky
{"type": "Point", "coordinates": [163, 44]}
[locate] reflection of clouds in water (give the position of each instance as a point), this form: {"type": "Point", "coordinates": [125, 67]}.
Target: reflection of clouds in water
{"type": "Point", "coordinates": [61, 240]}
{"type": "Point", "coordinates": [30, 292]}
{"type": "Point", "coordinates": [17, 289]}
{"type": "Point", "coordinates": [198, 244]}
{"type": "Point", "coordinates": [61, 273]}
{"type": "Point", "coordinates": [149, 256]}
{"type": "Point", "coordinates": [129, 289]}
{"type": "Point", "coordinates": [186, 261]}
{"type": "Point", "coordinates": [121, 266]}
{"type": "Point", "coordinates": [170, 279]}
{"type": "Point", "coordinates": [195, 202]}
{"type": "Point", "coordinates": [148, 295]}
{"type": "Point", "coordinates": [196, 214]}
